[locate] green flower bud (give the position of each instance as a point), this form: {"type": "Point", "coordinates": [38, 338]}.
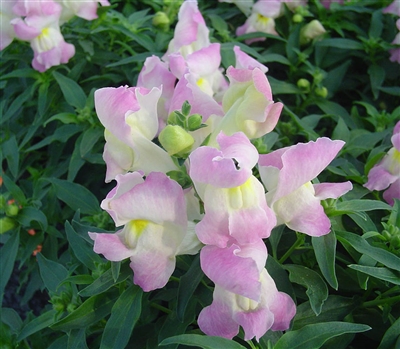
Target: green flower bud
{"type": "Point", "coordinates": [161, 21]}
{"type": "Point", "coordinates": [311, 31]}
{"type": "Point", "coordinates": [12, 210]}
{"type": "Point", "coordinates": [6, 224]}
{"type": "Point", "coordinates": [194, 122]}
{"type": "Point", "coordinates": [395, 242]}
{"type": "Point", "coordinates": [175, 140]}
{"type": "Point", "coordinates": [297, 18]}
{"type": "Point", "coordinates": [321, 91]}
{"type": "Point", "coordinates": [304, 85]}
{"type": "Point", "coordinates": [386, 235]}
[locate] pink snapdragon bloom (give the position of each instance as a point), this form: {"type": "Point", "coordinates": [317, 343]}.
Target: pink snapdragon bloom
{"type": "Point", "coordinates": [327, 3]}
{"type": "Point", "coordinates": [395, 52]}
{"type": "Point", "coordinates": [236, 217]}
{"type": "Point", "coordinates": [393, 8]}
{"type": "Point", "coordinates": [86, 9]}
{"type": "Point", "coordinates": [157, 73]}
{"type": "Point", "coordinates": [41, 28]}
{"type": "Point", "coordinates": [234, 200]}
{"type": "Point", "coordinates": [274, 310]}
{"type": "Point", "coordinates": [244, 61]}
{"type": "Point", "coordinates": [191, 32]}
{"type": "Point", "coordinates": [203, 64]}
{"type": "Point", "coordinates": [153, 212]}
{"type": "Point", "coordinates": [7, 33]}
{"type": "Point", "coordinates": [287, 174]}
{"type": "Point", "coordinates": [386, 174]}
{"type": "Point", "coordinates": [129, 115]}
{"type": "Point", "coordinates": [248, 105]}
{"type": "Point", "coordinates": [261, 19]}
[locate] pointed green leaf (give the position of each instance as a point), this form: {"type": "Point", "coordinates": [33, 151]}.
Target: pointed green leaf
{"type": "Point", "coordinates": [37, 324]}
{"type": "Point", "coordinates": [361, 245]}
{"type": "Point", "coordinates": [205, 342]}
{"type": "Point", "coordinates": [124, 315]}
{"type": "Point", "coordinates": [93, 310]}
{"type": "Point", "coordinates": [391, 336]}
{"type": "Point", "coordinates": [325, 252]}
{"type": "Point", "coordinates": [8, 253]}
{"type": "Point", "coordinates": [317, 291]}
{"type": "Point", "coordinates": [379, 272]}
{"type": "Point", "coordinates": [77, 339]}
{"type": "Point", "coordinates": [11, 153]}
{"type": "Point", "coordinates": [75, 196]}
{"type": "Point", "coordinates": [52, 273]}
{"type": "Point", "coordinates": [315, 335]}
{"type": "Point", "coordinates": [72, 92]}
{"type": "Point", "coordinates": [187, 286]}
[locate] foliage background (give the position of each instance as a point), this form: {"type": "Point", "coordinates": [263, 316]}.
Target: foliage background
{"type": "Point", "coordinates": [346, 284]}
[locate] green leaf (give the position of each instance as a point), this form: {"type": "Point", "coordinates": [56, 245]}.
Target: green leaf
{"type": "Point", "coordinates": [75, 196]}
{"type": "Point", "coordinates": [11, 318]}
{"type": "Point", "coordinates": [11, 153]}
{"type": "Point", "coordinates": [65, 118]}
{"type": "Point", "coordinates": [325, 252]}
{"type": "Point", "coordinates": [345, 44]}
{"type": "Point", "coordinates": [29, 214]}
{"type": "Point", "coordinates": [315, 335]}
{"type": "Point", "coordinates": [89, 139]}
{"type": "Point", "coordinates": [377, 77]}
{"type": "Point", "coordinates": [362, 206]}
{"type": "Point", "coordinates": [82, 250]}
{"type": "Point", "coordinates": [72, 92]}
{"type": "Point", "coordinates": [8, 253]}
{"type": "Point", "coordinates": [205, 342]}
{"type": "Point", "coordinates": [93, 310]}
{"type": "Point", "coordinates": [391, 336]}
{"type": "Point", "coordinates": [77, 339]}
{"type": "Point", "coordinates": [378, 272]}
{"type": "Point", "coordinates": [361, 245]}
{"type": "Point", "coordinates": [335, 308]}
{"type": "Point", "coordinates": [105, 281]}
{"type": "Point", "coordinates": [52, 273]}
{"type": "Point", "coordinates": [282, 87]}
{"type": "Point", "coordinates": [14, 190]}
{"type": "Point", "coordinates": [17, 104]}
{"type": "Point", "coordinates": [336, 110]}
{"type": "Point", "coordinates": [187, 286]}
{"type": "Point", "coordinates": [61, 134]}
{"type": "Point", "coordinates": [317, 291]}
{"type": "Point", "coordinates": [376, 26]}
{"type": "Point", "coordinates": [124, 315]}
{"type": "Point", "coordinates": [37, 324]}
{"type": "Point", "coordinates": [341, 131]}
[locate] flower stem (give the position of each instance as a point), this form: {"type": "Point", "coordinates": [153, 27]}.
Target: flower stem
{"type": "Point", "coordinates": [160, 307]}
{"type": "Point", "coordinates": [381, 301]}
{"type": "Point", "coordinates": [298, 242]}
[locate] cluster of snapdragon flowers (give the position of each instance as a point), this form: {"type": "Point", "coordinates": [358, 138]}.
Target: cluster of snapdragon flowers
{"type": "Point", "coordinates": [39, 23]}
{"type": "Point", "coordinates": [179, 146]}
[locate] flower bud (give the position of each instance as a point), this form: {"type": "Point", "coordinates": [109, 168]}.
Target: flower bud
{"type": "Point", "coordinates": [321, 91]}
{"type": "Point", "coordinates": [12, 210]}
{"type": "Point", "coordinates": [194, 122]}
{"type": "Point", "coordinates": [311, 31]}
{"type": "Point", "coordinates": [161, 21]}
{"type": "Point", "coordinates": [304, 85]}
{"type": "Point", "coordinates": [297, 18]}
{"type": "Point", "coordinates": [6, 224]}
{"type": "Point", "coordinates": [175, 139]}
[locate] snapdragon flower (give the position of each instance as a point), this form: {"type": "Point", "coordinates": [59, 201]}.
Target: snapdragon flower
{"type": "Point", "coordinates": [129, 115]}
{"type": "Point", "coordinates": [41, 28]}
{"type": "Point", "coordinates": [7, 14]}
{"type": "Point", "coordinates": [248, 105]}
{"type": "Point", "coordinates": [274, 310]}
{"type": "Point", "coordinates": [386, 174]}
{"type": "Point", "coordinates": [395, 52]}
{"type": "Point", "coordinates": [86, 9]}
{"type": "Point", "coordinates": [393, 8]}
{"type": "Point", "coordinates": [191, 32]}
{"type": "Point", "coordinates": [243, 5]}
{"type": "Point", "coordinates": [153, 212]}
{"type": "Point", "coordinates": [287, 174]}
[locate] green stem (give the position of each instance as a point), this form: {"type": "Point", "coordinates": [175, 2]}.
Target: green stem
{"type": "Point", "coordinates": [381, 301]}
{"type": "Point", "coordinates": [299, 241]}
{"type": "Point", "coordinates": [251, 344]}
{"type": "Point", "coordinates": [160, 307]}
